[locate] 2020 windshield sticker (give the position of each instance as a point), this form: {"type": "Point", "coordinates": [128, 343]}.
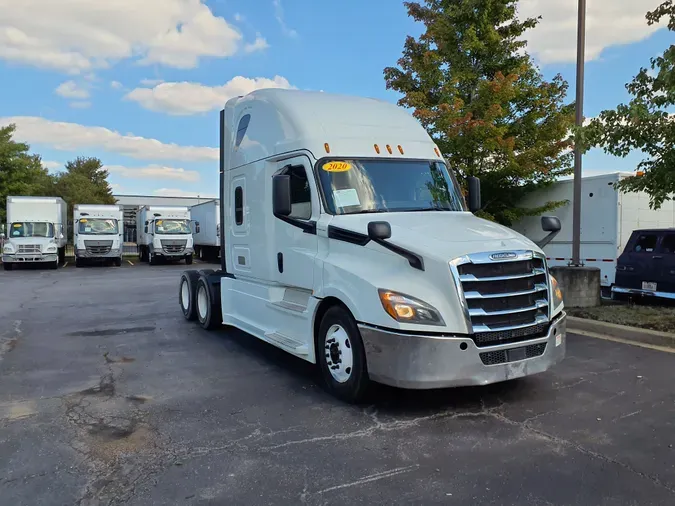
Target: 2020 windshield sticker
{"type": "Point", "coordinates": [337, 166]}
{"type": "Point", "coordinates": [346, 198]}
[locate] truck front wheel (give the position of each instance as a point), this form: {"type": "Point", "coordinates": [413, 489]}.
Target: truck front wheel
{"type": "Point", "coordinates": [7, 266]}
{"type": "Point", "coordinates": [188, 260]}
{"type": "Point", "coordinates": [341, 356]}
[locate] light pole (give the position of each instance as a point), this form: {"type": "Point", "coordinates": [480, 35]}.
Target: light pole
{"type": "Point", "coordinates": [576, 203]}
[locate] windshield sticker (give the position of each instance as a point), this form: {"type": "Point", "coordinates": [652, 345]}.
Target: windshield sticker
{"type": "Point", "coordinates": [337, 166]}
{"type": "Point", "coordinates": [87, 229]}
{"type": "Point", "coordinates": [346, 198]}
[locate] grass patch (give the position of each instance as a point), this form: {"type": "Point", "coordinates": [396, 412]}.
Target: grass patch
{"type": "Point", "coordinates": [646, 317]}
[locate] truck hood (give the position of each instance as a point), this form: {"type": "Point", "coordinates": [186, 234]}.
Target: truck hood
{"type": "Point", "coordinates": [440, 234]}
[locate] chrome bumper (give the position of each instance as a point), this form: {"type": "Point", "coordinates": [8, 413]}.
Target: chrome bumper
{"type": "Point", "coordinates": [83, 253]}
{"type": "Point", "coordinates": [29, 258]}
{"type": "Point", "coordinates": [638, 291]}
{"type": "Point", "coordinates": [185, 253]}
{"type": "Point", "coordinates": [426, 362]}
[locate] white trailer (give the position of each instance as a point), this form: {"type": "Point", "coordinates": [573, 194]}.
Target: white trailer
{"type": "Point", "coordinates": [35, 232]}
{"type": "Point", "coordinates": [164, 232]}
{"type": "Point", "coordinates": [206, 217]}
{"type": "Point", "coordinates": [608, 218]}
{"type": "Point", "coordinates": [331, 252]}
{"type": "Point", "coordinates": [98, 233]}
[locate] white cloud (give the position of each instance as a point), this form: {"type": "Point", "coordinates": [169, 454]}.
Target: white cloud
{"type": "Point", "coordinates": [116, 85]}
{"type": "Point", "coordinates": [80, 105]}
{"type": "Point", "coordinates": [70, 89]}
{"type": "Point", "coordinates": [279, 14]}
{"type": "Point", "coordinates": [608, 23]}
{"type": "Point", "coordinates": [74, 137]}
{"type": "Point", "coordinates": [154, 172]}
{"type": "Point", "coordinates": [76, 36]}
{"type": "Point", "coordinates": [151, 82]}
{"type": "Point", "coordinates": [191, 98]}
{"type": "Point", "coordinates": [51, 165]}
{"type": "Point", "coordinates": [260, 44]}
{"type": "Point", "coordinates": [176, 192]}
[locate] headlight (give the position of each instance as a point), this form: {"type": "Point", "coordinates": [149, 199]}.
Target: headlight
{"type": "Point", "coordinates": [51, 247]}
{"type": "Point", "coordinates": [9, 248]}
{"type": "Point", "coordinates": [404, 308]}
{"type": "Point", "coordinates": [556, 293]}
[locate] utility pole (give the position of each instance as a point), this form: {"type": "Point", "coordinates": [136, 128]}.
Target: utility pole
{"type": "Point", "coordinates": [576, 203]}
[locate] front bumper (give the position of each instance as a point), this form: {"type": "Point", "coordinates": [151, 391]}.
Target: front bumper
{"type": "Point", "coordinates": [427, 362]}
{"type": "Point", "coordinates": [83, 253]}
{"type": "Point", "coordinates": [23, 258]}
{"type": "Point", "coordinates": [162, 253]}
{"type": "Point", "coordinates": [643, 293]}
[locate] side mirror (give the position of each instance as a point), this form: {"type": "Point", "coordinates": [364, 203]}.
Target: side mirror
{"type": "Point", "coordinates": [281, 195]}
{"type": "Point", "coordinates": [550, 224]}
{"type": "Point", "coordinates": [2, 235]}
{"type": "Point", "coordinates": [197, 227]}
{"type": "Point", "coordinates": [474, 194]}
{"type": "Point", "coordinates": [379, 230]}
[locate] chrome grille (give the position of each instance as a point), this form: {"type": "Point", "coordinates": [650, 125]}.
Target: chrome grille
{"type": "Point", "coordinates": [98, 247]}
{"type": "Point", "coordinates": [173, 246]}
{"type": "Point", "coordinates": [505, 295]}
{"type": "Point", "coordinates": [29, 249]}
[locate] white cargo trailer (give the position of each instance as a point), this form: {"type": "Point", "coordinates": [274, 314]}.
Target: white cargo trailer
{"type": "Point", "coordinates": [608, 218]}
{"type": "Point", "coordinates": [97, 233]}
{"type": "Point", "coordinates": [206, 217]}
{"type": "Point", "coordinates": [35, 232]}
{"type": "Point", "coordinates": [164, 232]}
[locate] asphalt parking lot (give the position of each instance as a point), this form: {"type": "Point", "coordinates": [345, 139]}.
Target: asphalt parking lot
{"type": "Point", "coordinates": [107, 396]}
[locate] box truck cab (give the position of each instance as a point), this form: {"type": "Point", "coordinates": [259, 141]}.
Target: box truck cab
{"type": "Point", "coordinates": [164, 232]}
{"type": "Point", "coordinates": [97, 233]}
{"type": "Point", "coordinates": [348, 243]}
{"type": "Point", "coordinates": [207, 234]}
{"type": "Point", "coordinates": [35, 231]}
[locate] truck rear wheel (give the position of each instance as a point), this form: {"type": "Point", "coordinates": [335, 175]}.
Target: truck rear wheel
{"type": "Point", "coordinates": [187, 293]}
{"type": "Point", "coordinates": [209, 312]}
{"type": "Point", "coordinates": [341, 356]}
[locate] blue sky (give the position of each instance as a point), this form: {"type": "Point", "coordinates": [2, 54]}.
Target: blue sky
{"type": "Point", "coordinates": [139, 84]}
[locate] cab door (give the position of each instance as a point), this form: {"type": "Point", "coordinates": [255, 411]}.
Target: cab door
{"type": "Point", "coordinates": [296, 242]}
{"type": "Point", "coordinates": [664, 261]}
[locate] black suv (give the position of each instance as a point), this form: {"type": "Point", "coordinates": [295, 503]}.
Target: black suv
{"type": "Point", "coordinates": [647, 264]}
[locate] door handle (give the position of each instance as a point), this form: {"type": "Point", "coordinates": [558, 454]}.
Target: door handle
{"type": "Point", "coordinates": [657, 257]}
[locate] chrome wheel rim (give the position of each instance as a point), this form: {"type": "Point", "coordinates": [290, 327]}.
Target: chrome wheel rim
{"type": "Point", "coordinates": [185, 295]}
{"type": "Point", "coordinates": [202, 302]}
{"type": "Point", "coordinates": [339, 355]}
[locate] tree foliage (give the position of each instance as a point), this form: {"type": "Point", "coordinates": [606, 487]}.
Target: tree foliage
{"type": "Point", "coordinates": [21, 173]}
{"type": "Point", "coordinates": [645, 123]}
{"type": "Point", "coordinates": [484, 102]}
{"type": "Point", "coordinates": [84, 181]}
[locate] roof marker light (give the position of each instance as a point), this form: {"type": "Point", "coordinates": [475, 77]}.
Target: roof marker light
{"type": "Point", "coordinates": [400, 149]}
{"type": "Point", "coordinates": [437, 152]}
{"type": "Point", "coordinates": [326, 147]}
{"type": "Point", "coordinates": [377, 149]}
{"type": "Point", "coordinates": [389, 149]}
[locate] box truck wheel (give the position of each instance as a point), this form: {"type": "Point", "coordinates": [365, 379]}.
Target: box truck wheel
{"type": "Point", "coordinates": [208, 306]}
{"type": "Point", "coordinates": [188, 260]}
{"type": "Point", "coordinates": [54, 264]}
{"type": "Point", "coordinates": [7, 266]}
{"type": "Point", "coordinates": [341, 355]}
{"type": "Point", "coordinates": [152, 258]}
{"type": "Point", "coordinates": [187, 292]}
{"type": "Point", "coordinates": [117, 262]}
{"type": "Point", "coordinates": [78, 262]}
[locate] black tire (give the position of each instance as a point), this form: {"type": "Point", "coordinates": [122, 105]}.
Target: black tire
{"type": "Point", "coordinates": [188, 279]}
{"type": "Point", "coordinates": [117, 262]}
{"type": "Point", "coordinates": [54, 265]}
{"type": "Point", "coordinates": [62, 255]}
{"type": "Point", "coordinates": [7, 266]}
{"type": "Point", "coordinates": [355, 388]}
{"type": "Point", "coordinates": [212, 319]}
{"type": "Point", "coordinates": [152, 258]}
{"type": "Point", "coordinates": [188, 260]}
{"type": "Point", "coordinates": [78, 262]}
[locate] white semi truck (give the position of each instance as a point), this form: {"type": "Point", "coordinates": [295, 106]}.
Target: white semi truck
{"type": "Point", "coordinates": [35, 231]}
{"type": "Point", "coordinates": [206, 217]}
{"type": "Point", "coordinates": [608, 219]}
{"type": "Point", "coordinates": [347, 242]}
{"type": "Point", "coordinates": [164, 232]}
{"type": "Point", "coordinates": [98, 233]}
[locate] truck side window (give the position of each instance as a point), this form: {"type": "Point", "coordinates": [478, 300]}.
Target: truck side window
{"type": "Point", "coordinates": [239, 205]}
{"type": "Point", "coordinates": [646, 243]}
{"type": "Point", "coordinates": [301, 195]}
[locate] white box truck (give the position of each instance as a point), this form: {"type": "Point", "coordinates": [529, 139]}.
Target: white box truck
{"type": "Point", "coordinates": [164, 232]}
{"type": "Point", "coordinates": [98, 233]}
{"type": "Point", "coordinates": [206, 218]}
{"type": "Point", "coordinates": [347, 242]}
{"type": "Point", "coordinates": [35, 231]}
{"type": "Point", "coordinates": [608, 218]}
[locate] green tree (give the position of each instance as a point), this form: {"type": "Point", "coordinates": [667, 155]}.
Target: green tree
{"type": "Point", "coordinates": [84, 181]}
{"type": "Point", "coordinates": [484, 102]}
{"type": "Point", "coordinates": [21, 173]}
{"type": "Point", "coordinates": [646, 123]}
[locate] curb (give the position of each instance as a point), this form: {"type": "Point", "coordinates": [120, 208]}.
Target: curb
{"type": "Point", "coordinates": [651, 337]}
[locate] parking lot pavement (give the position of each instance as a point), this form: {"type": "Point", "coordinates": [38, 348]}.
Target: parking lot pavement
{"type": "Point", "coordinates": [107, 396]}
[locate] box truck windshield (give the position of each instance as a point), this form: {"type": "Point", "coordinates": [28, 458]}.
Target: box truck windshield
{"type": "Point", "coordinates": [31, 229]}
{"type": "Point", "coordinates": [172, 227]}
{"type": "Point", "coordinates": [98, 226]}
{"type": "Point", "coordinates": [366, 186]}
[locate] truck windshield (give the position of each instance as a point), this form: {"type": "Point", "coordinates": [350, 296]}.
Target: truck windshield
{"type": "Point", "coordinates": [172, 226]}
{"type": "Point", "coordinates": [371, 186]}
{"type": "Point", "coordinates": [97, 226]}
{"type": "Point", "coordinates": [31, 229]}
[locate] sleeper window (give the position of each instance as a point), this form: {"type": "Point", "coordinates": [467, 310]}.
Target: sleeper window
{"type": "Point", "coordinates": [301, 195]}
{"type": "Point", "coordinates": [239, 205]}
